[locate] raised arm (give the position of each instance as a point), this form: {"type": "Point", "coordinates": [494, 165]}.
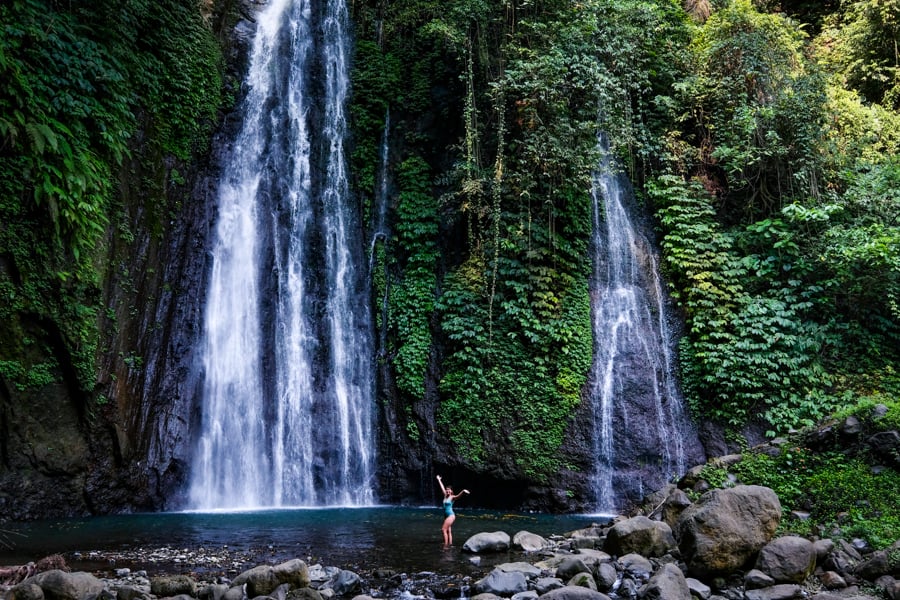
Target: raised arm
{"type": "Point", "coordinates": [441, 483]}
{"type": "Point", "coordinates": [460, 494]}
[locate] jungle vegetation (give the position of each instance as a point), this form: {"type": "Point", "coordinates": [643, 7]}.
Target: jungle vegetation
{"type": "Point", "coordinates": [761, 136]}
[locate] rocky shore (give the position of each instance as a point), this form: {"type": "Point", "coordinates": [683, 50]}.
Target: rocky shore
{"type": "Point", "coordinates": [721, 547]}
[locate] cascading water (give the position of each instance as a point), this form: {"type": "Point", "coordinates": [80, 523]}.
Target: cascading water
{"type": "Point", "coordinates": [288, 392]}
{"type": "Point", "coordinates": [640, 426]}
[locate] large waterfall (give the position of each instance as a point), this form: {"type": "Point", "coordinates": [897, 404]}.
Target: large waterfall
{"type": "Point", "coordinates": [288, 393]}
{"type": "Point", "coordinates": [640, 429]}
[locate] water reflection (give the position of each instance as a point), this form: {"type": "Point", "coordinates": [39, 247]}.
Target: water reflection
{"type": "Point", "coordinates": [405, 539]}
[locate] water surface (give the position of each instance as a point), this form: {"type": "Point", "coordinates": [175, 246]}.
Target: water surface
{"type": "Point", "coordinates": [399, 538]}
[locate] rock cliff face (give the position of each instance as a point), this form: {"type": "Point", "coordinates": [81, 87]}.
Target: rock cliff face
{"type": "Point", "coordinates": [62, 453]}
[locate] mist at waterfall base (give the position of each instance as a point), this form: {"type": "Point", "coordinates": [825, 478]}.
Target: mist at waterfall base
{"type": "Point", "coordinates": [403, 539]}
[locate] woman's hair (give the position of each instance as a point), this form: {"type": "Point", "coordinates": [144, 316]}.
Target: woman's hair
{"type": "Point", "coordinates": [449, 489]}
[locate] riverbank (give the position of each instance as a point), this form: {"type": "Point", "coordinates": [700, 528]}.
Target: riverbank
{"type": "Point", "coordinates": [723, 546]}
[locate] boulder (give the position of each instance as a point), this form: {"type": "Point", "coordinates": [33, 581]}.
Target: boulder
{"type": "Point", "coordinates": [502, 583]}
{"type": "Point", "coordinates": [755, 579]}
{"type": "Point", "coordinates": [529, 542]}
{"type": "Point", "coordinates": [293, 572]}
{"type": "Point", "coordinates": [675, 504]}
{"type": "Point", "coordinates": [571, 566]}
{"type": "Point", "coordinates": [636, 565]}
{"type": "Point", "coordinates": [668, 583]}
{"type": "Point", "coordinates": [24, 591]}
{"type": "Point", "coordinates": [526, 595]}
{"type": "Point", "coordinates": [606, 576]}
{"type": "Point", "coordinates": [59, 585]}
{"type": "Point", "coordinates": [880, 562]}
{"type": "Point", "coordinates": [788, 559]}
{"type": "Point", "coordinates": [784, 591]}
{"type": "Point", "coordinates": [639, 535]}
{"type": "Point", "coordinates": [571, 592]}
{"type": "Point", "coordinates": [497, 541]}
{"type": "Point", "coordinates": [725, 528]}
{"type": "Point", "coordinates": [832, 581]}
{"type": "Point", "coordinates": [547, 584]}
{"type": "Point", "coordinates": [698, 588]}
{"type": "Point", "coordinates": [583, 580]}
{"type": "Point", "coordinates": [527, 569]}
{"type": "Point", "coordinates": [344, 583]}
{"type": "Point", "coordinates": [823, 548]}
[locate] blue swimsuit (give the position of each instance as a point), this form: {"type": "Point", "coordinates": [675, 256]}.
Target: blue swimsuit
{"type": "Point", "coordinates": [448, 508]}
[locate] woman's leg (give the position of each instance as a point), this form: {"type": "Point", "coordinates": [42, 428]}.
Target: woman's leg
{"type": "Point", "coordinates": [448, 536]}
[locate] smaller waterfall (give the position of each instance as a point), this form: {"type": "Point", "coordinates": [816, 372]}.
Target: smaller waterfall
{"type": "Point", "coordinates": [639, 439]}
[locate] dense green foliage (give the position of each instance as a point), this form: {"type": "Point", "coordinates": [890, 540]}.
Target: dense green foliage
{"type": "Point", "coordinates": [766, 153]}
{"type": "Point", "coordinates": [843, 493]}
{"type": "Point", "coordinates": [80, 80]}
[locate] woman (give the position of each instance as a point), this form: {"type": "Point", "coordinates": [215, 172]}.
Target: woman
{"type": "Point", "coordinates": [449, 517]}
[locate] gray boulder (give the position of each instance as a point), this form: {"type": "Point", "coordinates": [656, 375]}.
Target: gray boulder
{"type": "Point", "coordinates": [880, 562]}
{"type": "Point", "coordinates": [583, 580]}
{"type": "Point", "coordinates": [526, 595]}
{"type": "Point", "coordinates": [698, 588]}
{"type": "Point", "coordinates": [725, 528]}
{"type": "Point", "coordinates": [265, 579]}
{"type": "Point", "coordinates": [344, 583]}
{"type": "Point", "coordinates": [668, 583]}
{"type": "Point", "coordinates": [639, 535]}
{"type": "Point", "coordinates": [571, 566]}
{"type": "Point", "coordinates": [502, 583]}
{"type": "Point", "coordinates": [606, 576]}
{"type": "Point", "coordinates": [547, 584]}
{"type": "Point", "coordinates": [788, 559]}
{"type": "Point", "coordinates": [636, 565]}
{"type": "Point", "coordinates": [24, 591]}
{"type": "Point", "coordinates": [497, 541]}
{"type": "Point", "coordinates": [784, 591]}
{"type": "Point", "coordinates": [59, 585]}
{"type": "Point", "coordinates": [755, 579]}
{"type": "Point", "coordinates": [529, 542]}
{"type": "Point", "coordinates": [571, 592]}
{"type": "Point", "coordinates": [527, 569]}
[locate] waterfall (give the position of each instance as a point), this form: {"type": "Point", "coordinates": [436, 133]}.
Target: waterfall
{"type": "Point", "coordinates": [287, 416]}
{"type": "Point", "coordinates": [640, 426]}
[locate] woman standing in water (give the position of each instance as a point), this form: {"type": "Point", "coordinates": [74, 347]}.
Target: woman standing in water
{"type": "Point", "coordinates": [449, 517]}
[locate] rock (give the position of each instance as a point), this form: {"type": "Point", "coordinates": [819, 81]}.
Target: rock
{"type": "Point", "coordinates": [698, 588]}
{"type": "Point", "coordinates": [788, 559]}
{"type": "Point", "coordinates": [59, 585]}
{"type": "Point", "coordinates": [881, 562]}
{"type": "Point", "coordinates": [639, 535]}
{"type": "Point", "coordinates": [667, 583]}
{"type": "Point", "coordinates": [832, 580]}
{"type": "Point", "coordinates": [497, 541]}
{"type": "Point", "coordinates": [851, 426]}
{"type": "Point", "coordinates": [293, 572]}
{"type": "Point", "coordinates": [675, 504]}
{"type": "Point", "coordinates": [264, 579]}
{"type": "Point", "coordinates": [529, 542]}
{"type": "Point", "coordinates": [636, 565]}
{"type": "Point", "coordinates": [886, 444]}
{"type": "Point", "coordinates": [547, 584]}
{"type": "Point", "coordinates": [526, 569]}
{"type": "Point", "coordinates": [363, 597]}
{"type": "Point", "coordinates": [305, 593]}
{"type": "Point", "coordinates": [889, 586]}
{"type": "Point", "coordinates": [130, 592]}
{"type": "Point", "coordinates": [606, 576]}
{"type": "Point", "coordinates": [784, 591]}
{"type": "Point", "coordinates": [755, 579]}
{"type": "Point", "coordinates": [25, 591]}
{"type": "Point", "coordinates": [823, 548]}
{"type": "Point", "coordinates": [589, 537]}
{"type": "Point", "coordinates": [502, 583]}
{"type": "Point", "coordinates": [344, 583]}
{"type": "Point", "coordinates": [571, 592]}
{"type": "Point", "coordinates": [583, 580]}
{"type": "Point", "coordinates": [526, 595]}
{"type": "Point", "coordinates": [571, 566]}
{"type": "Point", "coordinates": [838, 561]}
{"type": "Point", "coordinates": [189, 597]}
{"type": "Point", "coordinates": [725, 528]}
{"type": "Point", "coordinates": [234, 593]}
